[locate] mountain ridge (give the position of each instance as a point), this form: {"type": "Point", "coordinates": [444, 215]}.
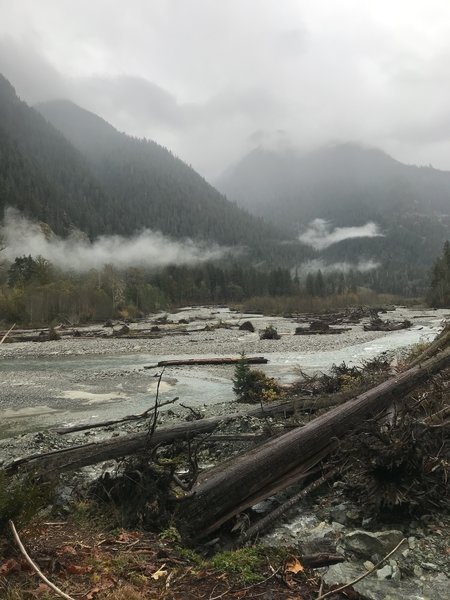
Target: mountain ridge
{"type": "Point", "coordinates": [79, 172]}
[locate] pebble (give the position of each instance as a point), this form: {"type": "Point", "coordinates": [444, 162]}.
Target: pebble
{"type": "Point", "coordinates": [385, 572]}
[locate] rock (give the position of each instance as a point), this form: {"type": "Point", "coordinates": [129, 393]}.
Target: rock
{"type": "Point", "coordinates": [321, 531]}
{"type": "Point", "coordinates": [339, 514]}
{"type": "Point", "coordinates": [412, 542]}
{"type": "Point", "coordinates": [368, 565]}
{"type": "Point", "coordinates": [429, 566]}
{"type": "Point", "coordinates": [435, 590]}
{"type": "Point", "coordinates": [385, 589]}
{"type": "Point", "coordinates": [367, 544]}
{"type": "Point", "coordinates": [396, 573]}
{"type": "Point", "coordinates": [418, 572]}
{"type": "Point", "coordinates": [385, 572]}
{"type": "Point", "coordinates": [247, 326]}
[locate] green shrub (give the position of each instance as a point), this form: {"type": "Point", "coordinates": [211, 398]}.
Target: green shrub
{"type": "Point", "coordinates": [21, 499]}
{"type": "Point", "coordinates": [253, 386]}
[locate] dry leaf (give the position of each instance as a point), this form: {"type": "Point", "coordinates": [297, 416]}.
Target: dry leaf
{"type": "Point", "coordinates": [90, 595]}
{"type": "Point", "coordinates": [78, 570]}
{"type": "Point", "coordinates": [42, 588]}
{"type": "Point", "coordinates": [161, 572]}
{"type": "Point", "coordinates": [69, 550]}
{"type": "Point", "coordinates": [10, 566]}
{"type": "Point", "coordinates": [293, 565]}
{"type": "Point", "coordinates": [125, 537]}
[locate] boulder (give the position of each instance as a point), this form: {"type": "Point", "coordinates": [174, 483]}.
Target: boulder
{"type": "Point", "coordinates": [367, 544]}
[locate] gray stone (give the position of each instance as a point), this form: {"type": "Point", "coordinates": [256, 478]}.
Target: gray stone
{"type": "Point", "coordinates": [385, 572]}
{"type": "Point", "coordinates": [429, 566]}
{"type": "Point", "coordinates": [339, 514]}
{"type": "Point", "coordinates": [367, 544]}
{"type": "Point", "coordinates": [396, 573]}
{"type": "Point", "coordinates": [368, 565]}
{"type": "Point", "coordinates": [412, 542]}
{"type": "Point", "coordinates": [418, 571]}
{"type": "Point", "coordinates": [319, 532]}
{"type": "Point", "coordinates": [436, 590]}
{"type": "Point", "coordinates": [379, 589]}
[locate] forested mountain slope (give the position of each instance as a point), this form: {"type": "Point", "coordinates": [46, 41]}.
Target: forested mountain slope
{"type": "Point", "coordinates": [43, 175]}
{"type": "Point", "coordinates": [71, 169]}
{"type": "Point", "coordinates": [348, 186]}
{"type": "Point", "coordinates": [332, 183]}
{"type": "Point", "coordinates": [155, 188]}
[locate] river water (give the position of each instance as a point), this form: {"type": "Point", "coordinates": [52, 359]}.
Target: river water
{"type": "Point", "coordinates": [50, 384]}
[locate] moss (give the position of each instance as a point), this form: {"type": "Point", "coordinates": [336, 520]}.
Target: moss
{"type": "Point", "coordinates": [170, 534]}
{"type": "Point", "coordinates": [246, 563]}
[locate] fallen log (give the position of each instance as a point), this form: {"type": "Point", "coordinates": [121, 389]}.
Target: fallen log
{"type": "Point", "coordinates": [96, 452]}
{"type": "Point", "coordinates": [380, 325]}
{"type": "Point", "coordinates": [110, 423]}
{"type": "Point", "coordinates": [268, 520]}
{"type": "Point", "coordinates": [70, 459]}
{"type": "Point", "coordinates": [251, 360]}
{"type": "Point", "coordinates": [329, 331]}
{"type": "Point", "coordinates": [223, 491]}
{"type": "Point", "coordinates": [5, 335]}
{"type": "Point", "coordinates": [286, 408]}
{"type": "Point", "coordinates": [321, 559]}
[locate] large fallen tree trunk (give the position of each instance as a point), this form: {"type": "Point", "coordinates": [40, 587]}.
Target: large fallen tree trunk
{"type": "Point", "coordinates": [70, 459]}
{"type": "Point", "coordinates": [224, 491]}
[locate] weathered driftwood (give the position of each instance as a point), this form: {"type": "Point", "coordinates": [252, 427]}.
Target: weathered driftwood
{"type": "Point", "coordinates": [328, 331]}
{"type": "Point", "coordinates": [321, 559]}
{"type": "Point", "coordinates": [5, 335]}
{"type": "Point", "coordinates": [70, 459]}
{"type": "Point", "coordinates": [251, 360]}
{"type": "Point", "coordinates": [110, 423]}
{"type": "Point", "coordinates": [380, 325]}
{"type": "Point", "coordinates": [96, 452]}
{"type": "Point", "coordinates": [268, 520]}
{"type": "Point", "coordinates": [220, 493]}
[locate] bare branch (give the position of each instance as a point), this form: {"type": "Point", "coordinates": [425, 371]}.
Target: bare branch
{"type": "Point", "coordinates": [361, 577]}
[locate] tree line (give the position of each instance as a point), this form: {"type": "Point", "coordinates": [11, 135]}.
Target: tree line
{"type": "Point", "coordinates": [35, 292]}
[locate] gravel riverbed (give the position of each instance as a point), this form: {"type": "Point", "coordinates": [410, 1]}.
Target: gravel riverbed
{"type": "Point", "coordinates": [62, 382]}
{"type": "Point", "coordinates": [72, 380]}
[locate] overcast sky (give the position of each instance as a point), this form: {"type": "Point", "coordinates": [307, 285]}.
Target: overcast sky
{"type": "Point", "coordinates": [211, 79]}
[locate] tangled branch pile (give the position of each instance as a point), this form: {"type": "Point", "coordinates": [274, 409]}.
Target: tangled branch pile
{"type": "Point", "coordinates": [402, 464]}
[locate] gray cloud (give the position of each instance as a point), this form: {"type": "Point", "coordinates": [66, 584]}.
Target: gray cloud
{"type": "Point", "coordinates": [20, 236]}
{"type": "Point", "coordinates": [201, 77]}
{"type": "Point", "coordinates": [312, 266]}
{"type": "Point", "coordinates": [321, 235]}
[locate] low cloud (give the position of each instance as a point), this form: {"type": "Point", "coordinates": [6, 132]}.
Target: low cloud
{"type": "Point", "coordinates": [152, 249]}
{"type": "Point", "coordinates": [312, 266]}
{"type": "Point", "coordinates": [320, 233]}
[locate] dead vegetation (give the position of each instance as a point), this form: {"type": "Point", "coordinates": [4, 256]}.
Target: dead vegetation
{"type": "Point", "coordinates": [401, 465]}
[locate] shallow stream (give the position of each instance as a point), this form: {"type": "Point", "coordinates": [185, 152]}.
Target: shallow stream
{"type": "Point", "coordinates": [70, 381]}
